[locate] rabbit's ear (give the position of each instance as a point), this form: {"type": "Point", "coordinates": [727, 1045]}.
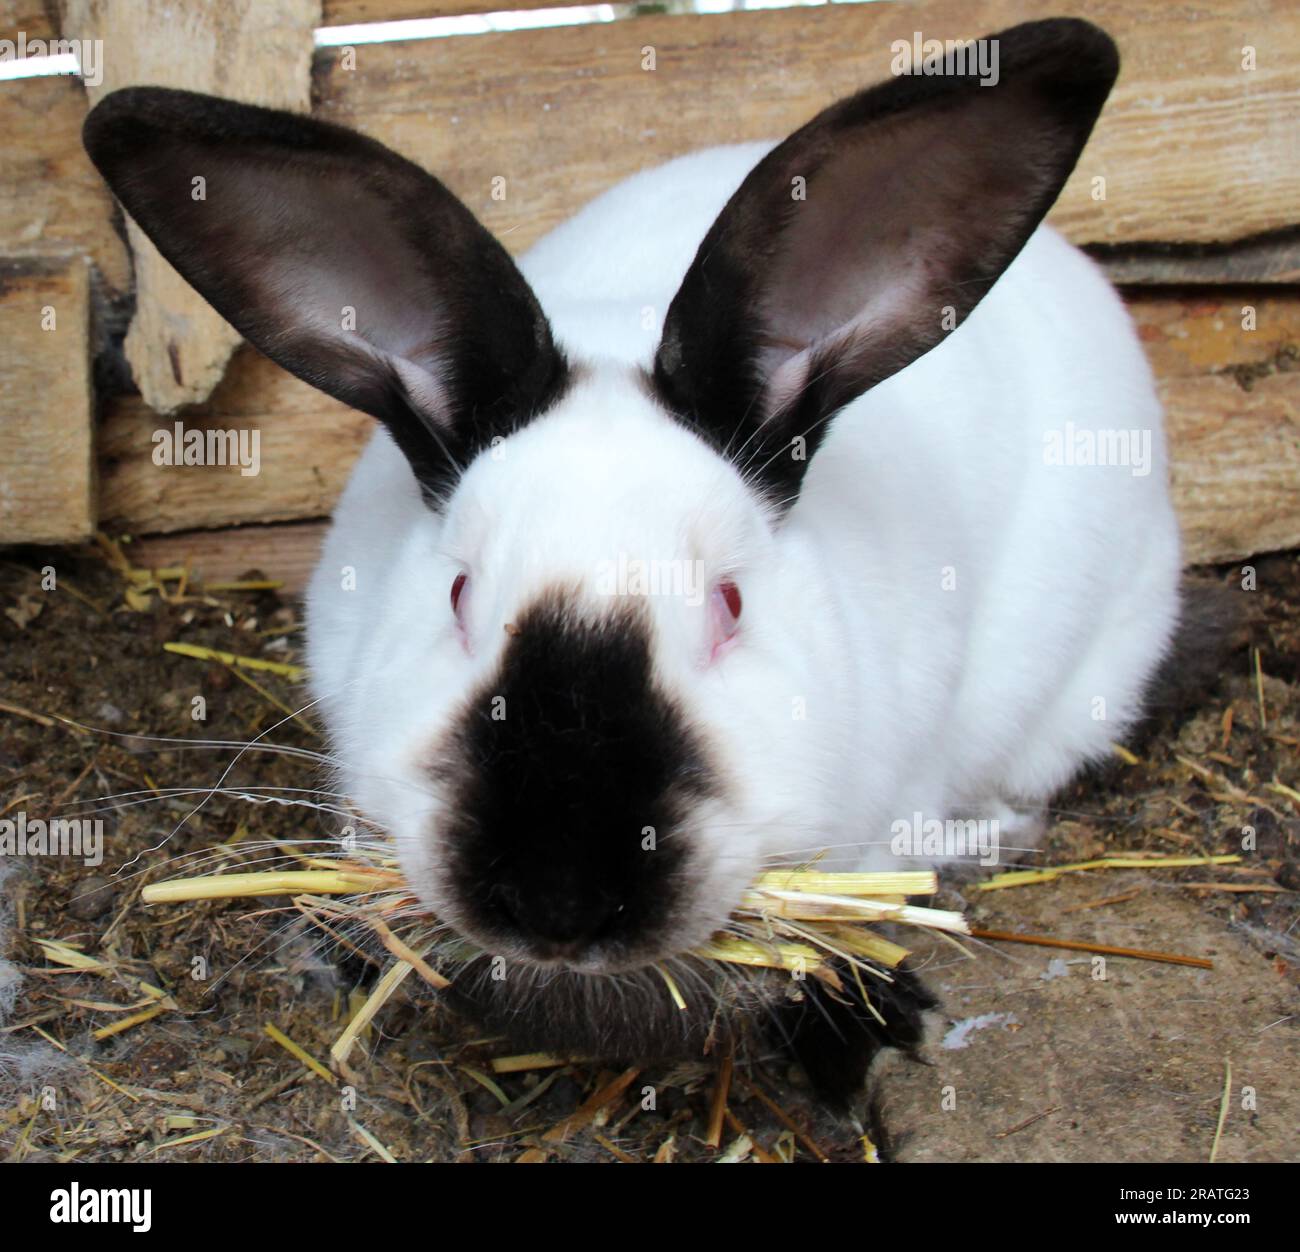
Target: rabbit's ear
{"type": "Point", "coordinates": [343, 262]}
{"type": "Point", "coordinates": [853, 247]}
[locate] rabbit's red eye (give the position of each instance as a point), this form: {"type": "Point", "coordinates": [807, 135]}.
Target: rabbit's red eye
{"type": "Point", "coordinates": [458, 590]}
{"type": "Point", "coordinates": [724, 614]}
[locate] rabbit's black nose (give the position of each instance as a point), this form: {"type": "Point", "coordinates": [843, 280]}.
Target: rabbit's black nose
{"type": "Point", "coordinates": [560, 922]}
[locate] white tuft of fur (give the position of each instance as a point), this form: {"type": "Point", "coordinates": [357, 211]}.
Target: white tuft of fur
{"type": "Point", "coordinates": [24, 1063]}
{"type": "Point", "coordinates": [10, 979]}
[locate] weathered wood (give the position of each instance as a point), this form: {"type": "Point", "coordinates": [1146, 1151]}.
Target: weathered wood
{"type": "Point", "coordinates": [1195, 151]}
{"type": "Point", "coordinates": [31, 17]}
{"type": "Point", "coordinates": [1232, 398]}
{"type": "Point", "coordinates": [46, 421]}
{"type": "Point", "coordinates": [52, 201]}
{"type": "Point", "coordinates": [307, 443]}
{"type": "Point", "coordinates": [286, 552]}
{"type": "Point", "coordinates": [1273, 258]}
{"type": "Point", "coordinates": [178, 345]}
{"type": "Point", "coordinates": [38, 17]}
{"type": "Point", "coordinates": [359, 12]}
{"type": "Point", "coordinates": [1191, 147]}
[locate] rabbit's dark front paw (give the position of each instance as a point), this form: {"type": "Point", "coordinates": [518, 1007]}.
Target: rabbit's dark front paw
{"type": "Point", "coordinates": [835, 1036]}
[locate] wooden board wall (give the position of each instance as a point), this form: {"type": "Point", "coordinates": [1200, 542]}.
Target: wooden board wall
{"type": "Point", "coordinates": [47, 438]}
{"type": "Point", "coordinates": [1200, 157]}
{"type": "Point", "coordinates": [1228, 368]}
{"type": "Point", "coordinates": [1232, 400]}
{"type": "Point", "coordinates": [1193, 149]}
{"type": "Point", "coordinates": [177, 344]}
{"type": "Point", "coordinates": [39, 17]}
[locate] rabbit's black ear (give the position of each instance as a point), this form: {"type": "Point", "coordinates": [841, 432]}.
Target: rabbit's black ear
{"type": "Point", "coordinates": [343, 262]}
{"type": "Point", "coordinates": [853, 247]}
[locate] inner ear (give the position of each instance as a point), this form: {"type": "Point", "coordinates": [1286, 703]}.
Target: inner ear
{"type": "Point", "coordinates": [883, 247]}
{"type": "Point", "coordinates": [856, 245]}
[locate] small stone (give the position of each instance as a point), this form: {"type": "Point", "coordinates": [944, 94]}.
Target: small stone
{"type": "Point", "coordinates": [91, 898]}
{"type": "Point", "coordinates": [159, 1058]}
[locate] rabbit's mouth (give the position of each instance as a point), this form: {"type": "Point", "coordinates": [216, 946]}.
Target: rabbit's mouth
{"type": "Point", "coordinates": [566, 940]}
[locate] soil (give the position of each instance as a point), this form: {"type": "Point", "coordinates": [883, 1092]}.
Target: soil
{"type": "Point", "coordinates": [1035, 1054]}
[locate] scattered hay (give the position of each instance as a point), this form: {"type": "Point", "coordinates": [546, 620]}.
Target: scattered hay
{"type": "Point", "coordinates": [798, 920]}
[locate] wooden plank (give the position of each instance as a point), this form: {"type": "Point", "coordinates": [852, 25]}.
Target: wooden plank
{"type": "Point", "coordinates": [1265, 259]}
{"type": "Point", "coordinates": [46, 419]}
{"type": "Point", "coordinates": [31, 17]}
{"type": "Point", "coordinates": [564, 113]}
{"type": "Point", "coordinates": [36, 18]}
{"type": "Point", "coordinates": [306, 444]}
{"type": "Point", "coordinates": [52, 201]}
{"type": "Point", "coordinates": [177, 345]}
{"type": "Point", "coordinates": [1192, 148]}
{"type": "Point", "coordinates": [286, 552]}
{"type": "Point", "coordinates": [1236, 465]}
{"type": "Point", "coordinates": [359, 12]}
{"type": "Point", "coordinates": [1232, 399]}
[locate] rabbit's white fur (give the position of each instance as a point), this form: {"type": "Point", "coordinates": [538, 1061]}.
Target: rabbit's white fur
{"type": "Point", "coordinates": [867, 687]}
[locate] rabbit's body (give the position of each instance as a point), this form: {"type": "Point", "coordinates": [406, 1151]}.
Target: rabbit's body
{"type": "Point", "coordinates": [893, 596]}
{"type": "Point", "coordinates": [985, 621]}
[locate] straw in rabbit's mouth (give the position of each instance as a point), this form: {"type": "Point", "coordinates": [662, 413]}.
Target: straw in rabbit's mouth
{"type": "Point", "coordinates": [806, 922]}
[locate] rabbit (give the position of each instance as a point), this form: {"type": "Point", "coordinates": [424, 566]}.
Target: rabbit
{"type": "Point", "coordinates": [733, 526]}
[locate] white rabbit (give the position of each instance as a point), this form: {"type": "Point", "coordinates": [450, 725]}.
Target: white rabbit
{"type": "Point", "coordinates": [888, 593]}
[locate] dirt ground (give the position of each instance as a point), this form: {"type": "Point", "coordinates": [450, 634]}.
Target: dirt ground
{"type": "Point", "coordinates": [1035, 1054]}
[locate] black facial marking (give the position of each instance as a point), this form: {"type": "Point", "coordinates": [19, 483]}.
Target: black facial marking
{"type": "Point", "coordinates": [557, 773]}
{"type": "Point", "coordinates": [499, 384]}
